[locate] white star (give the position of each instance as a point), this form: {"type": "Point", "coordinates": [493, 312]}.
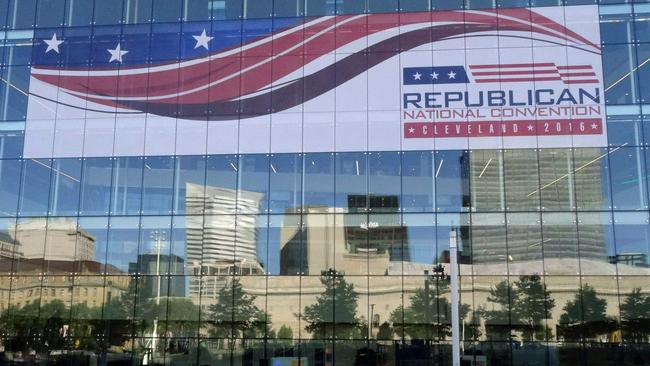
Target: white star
{"type": "Point", "coordinates": [434, 75]}
{"type": "Point", "coordinates": [417, 76]}
{"type": "Point", "coordinates": [594, 126]}
{"type": "Point", "coordinates": [117, 53]}
{"type": "Point", "coordinates": [52, 44]}
{"type": "Point", "coordinates": [530, 127]}
{"type": "Point", "coordinates": [411, 130]}
{"type": "Point", "coordinates": [452, 75]}
{"type": "Point", "coordinates": [202, 40]}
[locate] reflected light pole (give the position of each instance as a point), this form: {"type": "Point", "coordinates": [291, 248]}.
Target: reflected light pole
{"type": "Point", "coordinates": [158, 237]}
{"type": "Point", "coordinates": [455, 326]}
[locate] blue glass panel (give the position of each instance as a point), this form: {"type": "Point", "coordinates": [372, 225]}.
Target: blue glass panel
{"type": "Point", "coordinates": [632, 233]}
{"type": "Point", "coordinates": [221, 176]}
{"type": "Point", "coordinates": [35, 187]}
{"type": "Point", "coordinates": [285, 193]}
{"type": "Point", "coordinates": [137, 11]}
{"type": "Point", "coordinates": [616, 24]}
{"type": "Point", "coordinates": [167, 10]}
{"type": "Point", "coordinates": [618, 69]}
{"type": "Point", "coordinates": [79, 13]}
{"type": "Point", "coordinates": [351, 182]}
{"type": "Point", "coordinates": [66, 182]}
{"type": "Point", "coordinates": [642, 22]}
{"type": "Point", "coordinates": [107, 12]}
{"type": "Point", "coordinates": [50, 13]}
{"type": "Point", "coordinates": [417, 181]}
{"type": "Point", "coordinates": [96, 186]}
{"type": "Point", "coordinates": [628, 177]}
{"type": "Point", "coordinates": [123, 242]}
{"type": "Point", "coordinates": [21, 14]}
{"type": "Point", "coordinates": [624, 130]}
{"type": "Point", "coordinates": [414, 5]}
{"type": "Point", "coordinates": [288, 8]}
{"type": "Point", "coordinates": [11, 143]}
{"type": "Point", "coordinates": [258, 9]}
{"type": "Point", "coordinates": [452, 180]}
{"type": "Point", "coordinates": [158, 185]}
{"type": "Point", "coordinates": [78, 46]}
{"type": "Point", "coordinates": [194, 10]}
{"type": "Point", "coordinates": [253, 187]}
{"type": "Point", "coordinates": [189, 185]}
{"type": "Point", "coordinates": [384, 182]}
{"type": "Point", "coordinates": [165, 41]}
{"type": "Point", "coordinates": [318, 180]}
{"type": "Point", "coordinates": [9, 186]}
{"type": "Point", "coordinates": [126, 186]}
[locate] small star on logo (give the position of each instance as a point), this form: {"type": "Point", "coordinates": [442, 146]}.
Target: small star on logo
{"type": "Point", "coordinates": [411, 130]}
{"type": "Point", "coordinates": [434, 76]}
{"type": "Point", "coordinates": [202, 40]}
{"type": "Point", "coordinates": [594, 126]}
{"type": "Point", "coordinates": [117, 53]}
{"type": "Point", "coordinates": [451, 75]}
{"type": "Point", "coordinates": [417, 76]}
{"type": "Point", "coordinates": [52, 44]}
{"type": "Point", "coordinates": [530, 127]}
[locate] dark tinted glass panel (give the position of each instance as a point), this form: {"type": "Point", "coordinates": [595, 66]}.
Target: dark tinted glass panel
{"type": "Point", "coordinates": [452, 181]}
{"type": "Point", "coordinates": [158, 185]}
{"type": "Point", "coordinates": [318, 180]}
{"type": "Point", "coordinates": [126, 196]}
{"type": "Point", "coordinates": [34, 187]}
{"type": "Point", "coordinates": [96, 186]}
{"type": "Point", "coordinates": [50, 13]}
{"type": "Point", "coordinates": [107, 12]}
{"type": "Point", "coordinates": [66, 184]}
{"type": "Point", "coordinates": [9, 186]}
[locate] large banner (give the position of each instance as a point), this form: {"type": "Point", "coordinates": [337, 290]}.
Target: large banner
{"type": "Point", "coordinates": [475, 79]}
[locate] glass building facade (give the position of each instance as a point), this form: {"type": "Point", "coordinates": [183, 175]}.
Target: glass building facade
{"type": "Point", "coordinates": [328, 258]}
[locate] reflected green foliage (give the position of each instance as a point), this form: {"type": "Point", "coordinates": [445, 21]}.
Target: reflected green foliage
{"type": "Point", "coordinates": [335, 312]}
{"type": "Point", "coordinates": [385, 332]}
{"type": "Point", "coordinates": [285, 333]}
{"type": "Point", "coordinates": [235, 314]}
{"type": "Point", "coordinates": [585, 317]}
{"type": "Point", "coordinates": [428, 315]}
{"type": "Point", "coordinates": [635, 317]}
{"type": "Point", "coordinates": [523, 307]}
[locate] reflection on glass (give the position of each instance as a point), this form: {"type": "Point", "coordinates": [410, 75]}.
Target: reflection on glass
{"type": "Point", "coordinates": [351, 187]}
{"type": "Point", "coordinates": [629, 182]}
{"type": "Point", "coordinates": [487, 180]}
{"type": "Point", "coordinates": [452, 180]}
{"type": "Point", "coordinates": [66, 180]}
{"type": "Point", "coordinates": [417, 181]}
{"type": "Point", "coordinates": [556, 180]}
{"type": "Point", "coordinates": [127, 186]}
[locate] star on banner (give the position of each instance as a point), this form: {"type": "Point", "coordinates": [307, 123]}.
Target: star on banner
{"type": "Point", "coordinates": [451, 75]}
{"type": "Point", "coordinates": [52, 44]}
{"type": "Point", "coordinates": [202, 40]}
{"type": "Point", "coordinates": [117, 53]}
{"type": "Point", "coordinates": [417, 76]}
{"type": "Point", "coordinates": [434, 76]}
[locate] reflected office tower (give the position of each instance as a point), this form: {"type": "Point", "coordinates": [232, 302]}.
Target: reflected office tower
{"type": "Point", "coordinates": [560, 240]}
{"type": "Point", "coordinates": [225, 243]}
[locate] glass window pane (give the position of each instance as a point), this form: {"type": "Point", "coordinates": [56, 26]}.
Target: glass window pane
{"type": "Point", "coordinates": [351, 7]}
{"type": "Point", "coordinates": [489, 255]}
{"type": "Point", "coordinates": [351, 182]}
{"type": "Point", "coordinates": [96, 186]}
{"type": "Point", "coordinates": [417, 181]}
{"type": "Point", "coordinates": [560, 243]}
{"type": "Point", "coordinates": [643, 73]}
{"type": "Point", "coordinates": [318, 180]}
{"type": "Point", "coordinates": [384, 182]}
{"type": "Point", "coordinates": [629, 184]}
{"type": "Point", "coordinates": [384, 6]}
{"type": "Point", "coordinates": [30, 233]}
{"type": "Point", "coordinates": [521, 171]}
{"type": "Point", "coordinates": [79, 13]}
{"type": "Point", "coordinates": [97, 229]}
{"type": "Point", "coordinates": [126, 186]}
{"type": "Point", "coordinates": [167, 10]}
{"type": "Point", "coordinates": [592, 179]}
{"type": "Point", "coordinates": [154, 255]}
{"type": "Point", "coordinates": [524, 240]}
{"type": "Point", "coordinates": [252, 195]}
{"type": "Point", "coordinates": [287, 252]}
{"type": "Point", "coordinates": [190, 184]}
{"type": "Point", "coordinates": [21, 14]}
{"type": "Point", "coordinates": [158, 185]}
{"type": "Point", "coordinates": [619, 73]}
{"type": "Point", "coordinates": [123, 242]}
{"type": "Point", "coordinates": [320, 242]}
{"type": "Point", "coordinates": [486, 180]}
{"type": "Point", "coordinates": [107, 12]}
{"type": "Point", "coordinates": [137, 11]}
{"type": "Point", "coordinates": [186, 244]}
{"type": "Point", "coordinates": [596, 243]}
{"type": "Point", "coordinates": [285, 183]}
{"type": "Point", "coordinates": [642, 22]}
{"type": "Point", "coordinates": [194, 10]}
{"type": "Point", "coordinates": [10, 248]}
{"type": "Point", "coordinates": [419, 242]}
{"type": "Point", "coordinates": [452, 181]}
{"type": "Point", "coordinates": [624, 130]}
{"type": "Point", "coordinates": [66, 182]}
{"type": "Point", "coordinates": [288, 8]}
{"type": "Point", "coordinates": [632, 234]}
{"type": "Point", "coordinates": [556, 180]}
{"type": "Point", "coordinates": [9, 186]}
{"type": "Point", "coordinates": [445, 223]}
{"type": "Point", "coordinates": [35, 187]}
{"type": "Point", "coordinates": [414, 5]}
{"type": "Point", "coordinates": [50, 13]}
{"type": "Point", "coordinates": [616, 24]}
{"type": "Point", "coordinates": [258, 9]}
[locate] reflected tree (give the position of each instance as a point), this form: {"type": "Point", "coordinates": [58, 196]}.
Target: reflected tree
{"type": "Point", "coordinates": [335, 312]}
{"type": "Point", "coordinates": [428, 315]}
{"type": "Point", "coordinates": [533, 305]}
{"type": "Point", "coordinates": [635, 317]}
{"type": "Point", "coordinates": [585, 317]}
{"type": "Point", "coordinates": [499, 318]}
{"type": "Point", "coordinates": [235, 314]}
